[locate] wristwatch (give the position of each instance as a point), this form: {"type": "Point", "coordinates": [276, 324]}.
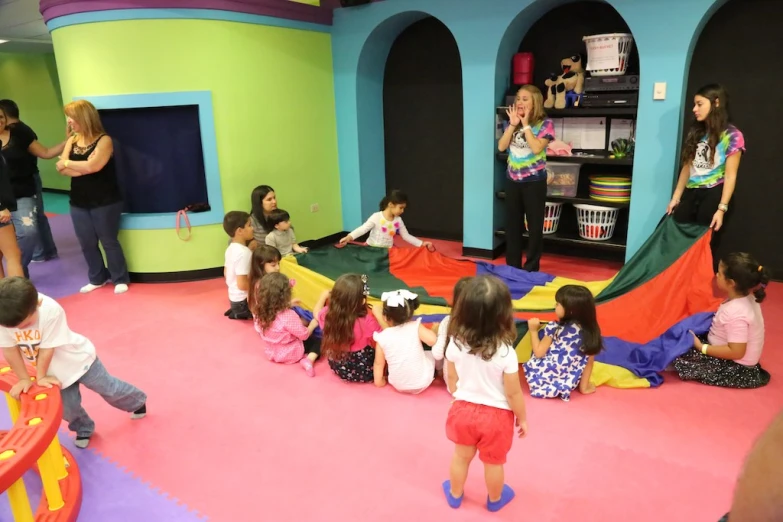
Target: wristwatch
{"type": "Point", "coordinates": [724, 207]}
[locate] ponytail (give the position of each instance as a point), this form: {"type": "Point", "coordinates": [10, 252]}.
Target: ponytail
{"type": "Point", "coordinates": [748, 275]}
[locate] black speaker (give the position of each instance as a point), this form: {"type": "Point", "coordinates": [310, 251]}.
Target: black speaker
{"type": "Point", "coordinates": [353, 3]}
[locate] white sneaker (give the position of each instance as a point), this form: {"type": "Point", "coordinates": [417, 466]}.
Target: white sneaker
{"type": "Point", "coordinates": [86, 289]}
{"type": "Point", "coordinates": [120, 288]}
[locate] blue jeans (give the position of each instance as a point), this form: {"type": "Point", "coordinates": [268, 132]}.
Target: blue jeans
{"type": "Point", "coordinates": [101, 224]}
{"type": "Point", "coordinates": [46, 248]}
{"type": "Point", "coordinates": [25, 219]}
{"type": "Point", "coordinates": [119, 394]}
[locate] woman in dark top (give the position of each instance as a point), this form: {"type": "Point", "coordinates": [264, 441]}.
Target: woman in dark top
{"type": "Point", "coordinates": [262, 202]}
{"type": "Point", "coordinates": [19, 146]}
{"type": "Point", "coordinates": [96, 202]}
{"type": "Point", "coordinates": [9, 249]}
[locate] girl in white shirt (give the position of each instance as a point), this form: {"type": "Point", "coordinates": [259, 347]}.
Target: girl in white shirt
{"type": "Point", "coordinates": [411, 369]}
{"type": "Point", "coordinates": [386, 224]}
{"type": "Point", "coordinates": [439, 350]}
{"type": "Point", "coordinates": [483, 374]}
{"type": "Point", "coordinates": [730, 357]}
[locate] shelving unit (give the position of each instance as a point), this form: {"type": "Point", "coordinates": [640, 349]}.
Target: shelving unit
{"type": "Point", "coordinates": [593, 162]}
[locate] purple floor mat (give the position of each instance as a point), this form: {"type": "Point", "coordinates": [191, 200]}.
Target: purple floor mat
{"type": "Point", "coordinates": [63, 276]}
{"type": "Point", "coordinates": [109, 493]}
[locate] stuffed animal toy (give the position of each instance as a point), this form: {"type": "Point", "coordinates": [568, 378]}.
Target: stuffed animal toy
{"type": "Point", "coordinates": [574, 79]}
{"type": "Point", "coordinates": [555, 92]}
{"type": "Point", "coordinates": [565, 90]}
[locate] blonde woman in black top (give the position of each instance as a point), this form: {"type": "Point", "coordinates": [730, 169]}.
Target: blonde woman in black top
{"type": "Point", "coordinates": [96, 202]}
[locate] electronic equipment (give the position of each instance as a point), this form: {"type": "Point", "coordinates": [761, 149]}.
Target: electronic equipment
{"type": "Point", "coordinates": [628, 82]}
{"type": "Point", "coordinates": [610, 99]}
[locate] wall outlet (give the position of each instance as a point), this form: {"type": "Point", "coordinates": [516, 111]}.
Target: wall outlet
{"type": "Point", "coordinates": [314, 207]}
{"type": "Point", "coordinates": [659, 91]}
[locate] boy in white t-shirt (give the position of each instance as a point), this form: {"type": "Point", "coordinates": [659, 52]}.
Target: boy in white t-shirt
{"type": "Point", "coordinates": [237, 263]}
{"type": "Point", "coordinates": [33, 329]}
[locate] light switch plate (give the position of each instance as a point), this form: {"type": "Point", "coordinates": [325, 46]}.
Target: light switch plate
{"type": "Point", "coordinates": [659, 91]}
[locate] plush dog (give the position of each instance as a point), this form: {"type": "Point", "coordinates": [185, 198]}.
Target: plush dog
{"type": "Point", "coordinates": [555, 92]}
{"type": "Point", "coordinates": [574, 79]}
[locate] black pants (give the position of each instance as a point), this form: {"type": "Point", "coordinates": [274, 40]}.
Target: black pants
{"type": "Point", "coordinates": [239, 310]}
{"type": "Point", "coordinates": [698, 205]}
{"type": "Point", "coordinates": [525, 198]}
{"type": "Point", "coordinates": [313, 345]}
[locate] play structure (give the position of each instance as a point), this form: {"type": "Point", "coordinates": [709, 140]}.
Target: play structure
{"type": "Point", "coordinates": [645, 310]}
{"type": "Point", "coordinates": [32, 443]}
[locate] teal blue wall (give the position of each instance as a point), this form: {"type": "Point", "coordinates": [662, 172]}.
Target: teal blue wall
{"type": "Point", "coordinates": [488, 34]}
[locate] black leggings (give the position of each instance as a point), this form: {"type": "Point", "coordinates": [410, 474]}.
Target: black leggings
{"type": "Point", "coordinates": [313, 345]}
{"type": "Point", "coordinates": [525, 198]}
{"type": "Point", "coordinates": [698, 205]}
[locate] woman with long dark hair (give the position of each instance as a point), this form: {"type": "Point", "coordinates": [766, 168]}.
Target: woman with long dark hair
{"type": "Point", "coordinates": [262, 202]}
{"type": "Point", "coordinates": [710, 160]}
{"type": "Point", "coordinates": [9, 248]}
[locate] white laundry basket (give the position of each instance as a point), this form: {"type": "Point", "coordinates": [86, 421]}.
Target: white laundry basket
{"type": "Point", "coordinates": [595, 223]}
{"type": "Point", "coordinates": [551, 217]}
{"type": "Point", "coordinates": [607, 54]}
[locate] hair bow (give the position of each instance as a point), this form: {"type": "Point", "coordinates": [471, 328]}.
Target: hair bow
{"type": "Point", "coordinates": [365, 287]}
{"type": "Point", "coordinates": [398, 298]}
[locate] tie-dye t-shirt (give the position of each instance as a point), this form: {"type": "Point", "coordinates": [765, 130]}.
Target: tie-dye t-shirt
{"type": "Point", "coordinates": [523, 165]}
{"type": "Point", "coordinates": [706, 175]}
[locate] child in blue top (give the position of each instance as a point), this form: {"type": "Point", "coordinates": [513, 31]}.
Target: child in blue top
{"type": "Point", "coordinates": [526, 138]}
{"type": "Point", "coordinates": [563, 359]}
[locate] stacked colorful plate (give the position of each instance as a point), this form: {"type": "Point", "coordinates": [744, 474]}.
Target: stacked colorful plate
{"type": "Point", "coordinates": [610, 189]}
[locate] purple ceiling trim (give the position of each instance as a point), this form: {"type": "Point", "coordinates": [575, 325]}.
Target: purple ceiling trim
{"type": "Point", "coordinates": [276, 8]}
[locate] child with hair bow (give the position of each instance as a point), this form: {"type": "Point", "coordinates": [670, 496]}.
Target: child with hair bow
{"type": "Point", "coordinates": [400, 344]}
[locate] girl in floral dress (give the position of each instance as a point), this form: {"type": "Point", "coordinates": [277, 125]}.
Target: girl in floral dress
{"type": "Point", "coordinates": [563, 358]}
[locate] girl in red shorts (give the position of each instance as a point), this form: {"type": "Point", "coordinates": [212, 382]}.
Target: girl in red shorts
{"type": "Point", "coordinates": [483, 376]}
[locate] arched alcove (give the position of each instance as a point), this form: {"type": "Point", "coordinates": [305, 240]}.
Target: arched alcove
{"type": "Point", "coordinates": [752, 84]}
{"type": "Point", "coordinates": [551, 35]}
{"type": "Point", "coordinates": [423, 128]}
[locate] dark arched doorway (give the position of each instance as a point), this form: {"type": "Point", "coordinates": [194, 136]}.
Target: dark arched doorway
{"type": "Point", "coordinates": [422, 111]}
{"type": "Point", "coordinates": [751, 80]}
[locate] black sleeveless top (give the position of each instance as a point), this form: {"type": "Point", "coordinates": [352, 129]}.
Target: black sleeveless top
{"type": "Point", "coordinates": [97, 189]}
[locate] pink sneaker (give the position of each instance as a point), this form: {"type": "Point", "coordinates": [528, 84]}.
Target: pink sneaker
{"type": "Point", "coordinates": [308, 367]}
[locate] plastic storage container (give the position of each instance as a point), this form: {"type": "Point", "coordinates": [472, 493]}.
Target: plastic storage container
{"type": "Point", "coordinates": [565, 179]}
{"type": "Point", "coordinates": [596, 223]}
{"type": "Point", "coordinates": [551, 217]}
{"type": "Point", "coordinates": [607, 54]}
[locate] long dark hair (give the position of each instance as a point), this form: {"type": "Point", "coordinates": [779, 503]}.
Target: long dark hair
{"type": "Point", "coordinates": [483, 317]}
{"type": "Point", "coordinates": [274, 296]}
{"type": "Point", "coordinates": [579, 307]}
{"type": "Point", "coordinates": [713, 126]}
{"type": "Point", "coordinates": [262, 255]}
{"type": "Point", "coordinates": [347, 303]}
{"type": "Point", "coordinates": [257, 205]}
{"type": "Point", "coordinates": [748, 275]}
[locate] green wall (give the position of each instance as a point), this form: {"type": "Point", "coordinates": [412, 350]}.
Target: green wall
{"type": "Point", "coordinates": [273, 96]}
{"type": "Point", "coordinates": [31, 81]}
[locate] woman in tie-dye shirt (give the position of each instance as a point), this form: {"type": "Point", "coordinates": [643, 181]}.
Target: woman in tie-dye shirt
{"type": "Point", "coordinates": [526, 138]}
{"type": "Point", "coordinates": [710, 160]}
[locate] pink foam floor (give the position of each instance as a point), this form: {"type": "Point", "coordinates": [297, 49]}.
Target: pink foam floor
{"type": "Point", "coordinates": [239, 438]}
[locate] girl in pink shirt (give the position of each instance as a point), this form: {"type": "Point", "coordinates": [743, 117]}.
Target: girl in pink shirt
{"type": "Point", "coordinates": [286, 340]}
{"type": "Point", "coordinates": [348, 327]}
{"type": "Point", "coordinates": [730, 356]}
